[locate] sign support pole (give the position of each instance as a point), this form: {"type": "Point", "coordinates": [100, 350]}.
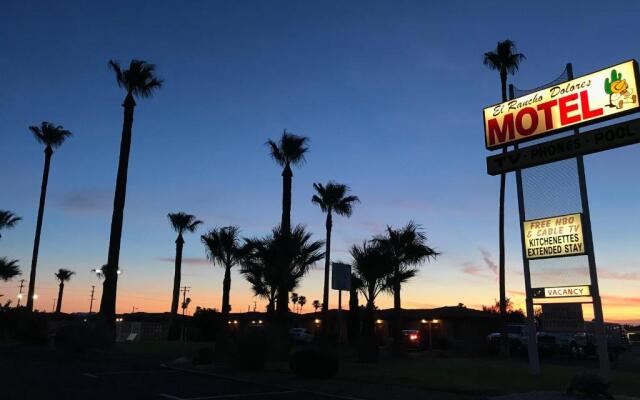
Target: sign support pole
{"type": "Point", "coordinates": [534, 359]}
{"type": "Point", "coordinates": [601, 337]}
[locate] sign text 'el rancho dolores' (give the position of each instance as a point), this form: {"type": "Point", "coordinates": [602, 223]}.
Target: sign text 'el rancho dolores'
{"type": "Point", "coordinates": [611, 92]}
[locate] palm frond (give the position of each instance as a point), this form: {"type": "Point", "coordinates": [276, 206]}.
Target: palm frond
{"type": "Point", "coordinates": [50, 134]}
{"type": "Point", "coordinates": [8, 219]}
{"type": "Point", "coordinates": [223, 247]}
{"type": "Point", "coordinates": [63, 275]}
{"type": "Point", "coordinates": [139, 80]}
{"type": "Point", "coordinates": [504, 58]}
{"type": "Point", "coordinates": [182, 222]}
{"type": "Point", "coordinates": [8, 269]}
{"type": "Point", "coordinates": [333, 197]}
{"type": "Point", "coordinates": [290, 149]}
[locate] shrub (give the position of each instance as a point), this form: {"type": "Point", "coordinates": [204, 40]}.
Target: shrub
{"type": "Point", "coordinates": [28, 327]}
{"type": "Point", "coordinates": [589, 385]}
{"type": "Point", "coordinates": [74, 337]}
{"type": "Point", "coordinates": [314, 362]}
{"type": "Point", "coordinates": [204, 356]}
{"type": "Point", "coordinates": [250, 351]}
{"type": "Point", "coordinates": [368, 350]}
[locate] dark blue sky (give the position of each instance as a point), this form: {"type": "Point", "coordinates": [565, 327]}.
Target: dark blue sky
{"type": "Point", "coordinates": [390, 94]}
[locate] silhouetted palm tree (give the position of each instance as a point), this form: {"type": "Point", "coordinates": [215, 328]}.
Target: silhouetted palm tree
{"type": "Point", "coordinates": [505, 60]}
{"type": "Point", "coordinates": [316, 305]}
{"type": "Point", "coordinates": [278, 258]}
{"type": "Point", "coordinates": [302, 300]}
{"type": "Point", "coordinates": [331, 198]}
{"type": "Point", "coordinates": [8, 269]}
{"type": "Point", "coordinates": [52, 137]}
{"type": "Point", "coordinates": [406, 248]}
{"type": "Point", "coordinates": [139, 81]}
{"type": "Point", "coordinates": [8, 220]}
{"type": "Point", "coordinates": [224, 249]}
{"type": "Point", "coordinates": [294, 300]}
{"type": "Point", "coordinates": [371, 266]}
{"type": "Point", "coordinates": [290, 150]}
{"type": "Point", "coordinates": [63, 275]}
{"type": "Point", "coordinates": [181, 223]}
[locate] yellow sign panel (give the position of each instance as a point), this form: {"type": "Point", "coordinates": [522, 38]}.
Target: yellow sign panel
{"type": "Point", "coordinates": [554, 237]}
{"type": "Point", "coordinates": [591, 98]}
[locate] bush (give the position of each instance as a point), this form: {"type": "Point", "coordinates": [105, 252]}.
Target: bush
{"type": "Point", "coordinates": [368, 350]}
{"type": "Point", "coordinates": [589, 385]}
{"type": "Point", "coordinates": [24, 326]}
{"type": "Point", "coordinates": [74, 337]}
{"type": "Point", "coordinates": [250, 351]}
{"type": "Point", "coordinates": [314, 362]}
{"type": "Point", "coordinates": [204, 356]}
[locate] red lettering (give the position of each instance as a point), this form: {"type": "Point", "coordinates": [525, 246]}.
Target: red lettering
{"type": "Point", "coordinates": [533, 116]}
{"type": "Point", "coordinates": [588, 113]}
{"type": "Point", "coordinates": [500, 133]}
{"type": "Point", "coordinates": [546, 107]}
{"type": "Point", "coordinates": [565, 108]}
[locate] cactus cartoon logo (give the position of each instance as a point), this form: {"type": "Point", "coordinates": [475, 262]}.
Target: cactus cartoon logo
{"type": "Point", "coordinates": [618, 90]}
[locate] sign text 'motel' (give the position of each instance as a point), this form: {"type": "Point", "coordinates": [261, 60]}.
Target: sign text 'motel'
{"type": "Point", "coordinates": [608, 93]}
{"type": "Point", "coordinates": [593, 141]}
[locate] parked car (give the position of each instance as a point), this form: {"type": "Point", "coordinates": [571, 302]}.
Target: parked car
{"type": "Point", "coordinates": [518, 335]}
{"type": "Point", "coordinates": [413, 339]}
{"type": "Point", "coordinates": [634, 338]}
{"type": "Point", "coordinates": [300, 335]}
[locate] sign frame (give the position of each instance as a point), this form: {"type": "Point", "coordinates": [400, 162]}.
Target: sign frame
{"type": "Point", "coordinates": [568, 127]}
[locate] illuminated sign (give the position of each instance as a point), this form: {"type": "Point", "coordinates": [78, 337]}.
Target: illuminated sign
{"type": "Point", "coordinates": [562, 291]}
{"type": "Point", "coordinates": [591, 98]}
{"type": "Point", "coordinates": [554, 236]}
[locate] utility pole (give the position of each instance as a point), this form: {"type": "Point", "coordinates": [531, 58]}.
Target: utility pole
{"type": "Point", "coordinates": [93, 288]}
{"type": "Point", "coordinates": [20, 292]}
{"type": "Point", "coordinates": [185, 304]}
{"type": "Point", "coordinates": [184, 291]}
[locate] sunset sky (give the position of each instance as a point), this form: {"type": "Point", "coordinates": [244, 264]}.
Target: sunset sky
{"type": "Point", "coordinates": [390, 94]}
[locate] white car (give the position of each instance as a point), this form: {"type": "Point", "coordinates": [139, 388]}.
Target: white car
{"type": "Point", "coordinates": [300, 335]}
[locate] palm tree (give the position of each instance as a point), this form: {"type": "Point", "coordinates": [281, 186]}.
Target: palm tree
{"type": "Point", "coordinates": [331, 198]}
{"type": "Point", "coordinates": [406, 248]}
{"type": "Point", "coordinates": [181, 223]}
{"type": "Point", "coordinates": [316, 305]}
{"type": "Point", "coordinates": [51, 136]}
{"type": "Point", "coordinates": [8, 220]}
{"type": "Point", "coordinates": [294, 300]}
{"type": "Point", "coordinates": [8, 269]}
{"type": "Point", "coordinates": [302, 300]}
{"type": "Point", "coordinates": [290, 150]}
{"type": "Point", "coordinates": [505, 60]}
{"type": "Point", "coordinates": [223, 248]}
{"type": "Point", "coordinates": [63, 275]}
{"type": "Point", "coordinates": [371, 266]}
{"type": "Point", "coordinates": [139, 81]}
{"type": "Point", "coordinates": [279, 258]}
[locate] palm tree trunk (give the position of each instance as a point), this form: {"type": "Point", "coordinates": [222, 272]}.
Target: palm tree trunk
{"type": "Point", "coordinates": [283, 290]}
{"type": "Point", "coordinates": [287, 176]}
{"type": "Point", "coordinates": [108, 301]}
{"type": "Point", "coordinates": [175, 299]}
{"type": "Point", "coordinates": [36, 242]}
{"type": "Point", "coordinates": [327, 265]}
{"type": "Point", "coordinates": [504, 338]}
{"type": "Point", "coordinates": [226, 289]}
{"type": "Point", "coordinates": [59, 305]}
{"type": "Point", "coordinates": [397, 314]}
